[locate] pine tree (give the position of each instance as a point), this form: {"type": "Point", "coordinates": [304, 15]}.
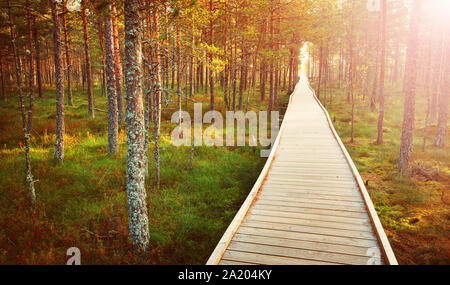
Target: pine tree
{"type": "Point", "coordinates": [136, 194]}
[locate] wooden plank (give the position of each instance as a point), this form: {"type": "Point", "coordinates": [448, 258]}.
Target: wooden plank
{"type": "Point", "coordinates": [309, 194]}
{"type": "Point", "coordinates": [321, 206]}
{"type": "Point", "coordinates": [300, 199]}
{"type": "Point", "coordinates": [290, 178]}
{"type": "Point", "coordinates": [309, 229]}
{"type": "Point", "coordinates": [303, 244]}
{"type": "Point", "coordinates": [310, 211]}
{"type": "Point", "coordinates": [264, 259]}
{"type": "Point", "coordinates": [307, 237]}
{"type": "Point", "coordinates": [311, 223]}
{"type": "Point", "coordinates": [309, 176]}
{"type": "Point", "coordinates": [317, 170]}
{"type": "Point", "coordinates": [299, 184]}
{"type": "Point", "coordinates": [328, 169]}
{"type": "Point", "coordinates": [332, 164]}
{"type": "Point", "coordinates": [300, 253]}
{"type": "Point", "coordinates": [311, 189]}
{"type": "Point", "coordinates": [358, 221]}
{"type": "Point", "coordinates": [232, 262]}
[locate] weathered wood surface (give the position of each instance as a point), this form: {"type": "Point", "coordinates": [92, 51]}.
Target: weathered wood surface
{"type": "Point", "coordinates": [309, 205]}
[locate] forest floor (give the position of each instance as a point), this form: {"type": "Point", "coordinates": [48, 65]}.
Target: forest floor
{"type": "Point", "coordinates": [415, 210]}
{"type": "Point", "coordinates": [83, 202]}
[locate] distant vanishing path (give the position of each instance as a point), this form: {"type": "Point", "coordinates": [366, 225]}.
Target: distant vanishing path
{"type": "Point", "coordinates": [309, 205]}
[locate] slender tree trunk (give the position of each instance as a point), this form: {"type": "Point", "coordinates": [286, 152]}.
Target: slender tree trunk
{"type": "Point", "coordinates": [410, 89]}
{"type": "Point", "coordinates": [351, 71]}
{"type": "Point", "coordinates": [291, 77]}
{"type": "Point", "coordinates": [242, 79]}
{"type": "Point", "coordinates": [111, 83]}
{"type": "Point", "coordinates": [157, 100]}
{"type": "Point", "coordinates": [441, 130]}
{"type": "Point", "coordinates": [136, 194]}
{"type": "Point", "coordinates": [428, 93]}
{"type": "Point", "coordinates": [271, 69]}
{"type": "Point", "coordinates": [437, 70]}
{"type": "Point", "coordinates": [319, 82]}
{"type": "Point", "coordinates": [59, 78]}
{"type": "Point", "coordinates": [117, 62]}
{"type": "Point", "coordinates": [341, 64]}
{"type": "Point", "coordinates": [382, 71]}
{"type": "Point", "coordinates": [191, 57]}
{"type": "Point", "coordinates": [148, 104]}
{"type": "Point", "coordinates": [88, 61]}
{"type": "Point", "coordinates": [376, 79]}
{"type": "Point", "coordinates": [226, 70]}
{"type": "Point", "coordinates": [26, 124]}
{"type": "Point", "coordinates": [101, 33]}
{"type": "Point", "coordinates": [211, 55]}
{"type": "Point", "coordinates": [179, 79]}
{"type": "Point", "coordinates": [68, 57]}
{"type": "Point", "coordinates": [30, 63]}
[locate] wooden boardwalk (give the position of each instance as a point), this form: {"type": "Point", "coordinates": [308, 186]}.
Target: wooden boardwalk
{"type": "Point", "coordinates": [309, 205]}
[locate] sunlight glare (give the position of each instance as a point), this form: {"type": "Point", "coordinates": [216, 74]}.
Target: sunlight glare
{"type": "Point", "coordinates": [438, 10]}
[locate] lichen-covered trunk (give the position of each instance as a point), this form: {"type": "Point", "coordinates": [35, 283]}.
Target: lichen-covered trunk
{"type": "Point", "coordinates": [87, 55]}
{"type": "Point", "coordinates": [111, 84]}
{"type": "Point", "coordinates": [136, 194]}
{"type": "Point", "coordinates": [59, 79]}
{"type": "Point", "coordinates": [26, 127]}
{"type": "Point", "coordinates": [410, 90]}
{"type": "Point", "coordinates": [117, 63]}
